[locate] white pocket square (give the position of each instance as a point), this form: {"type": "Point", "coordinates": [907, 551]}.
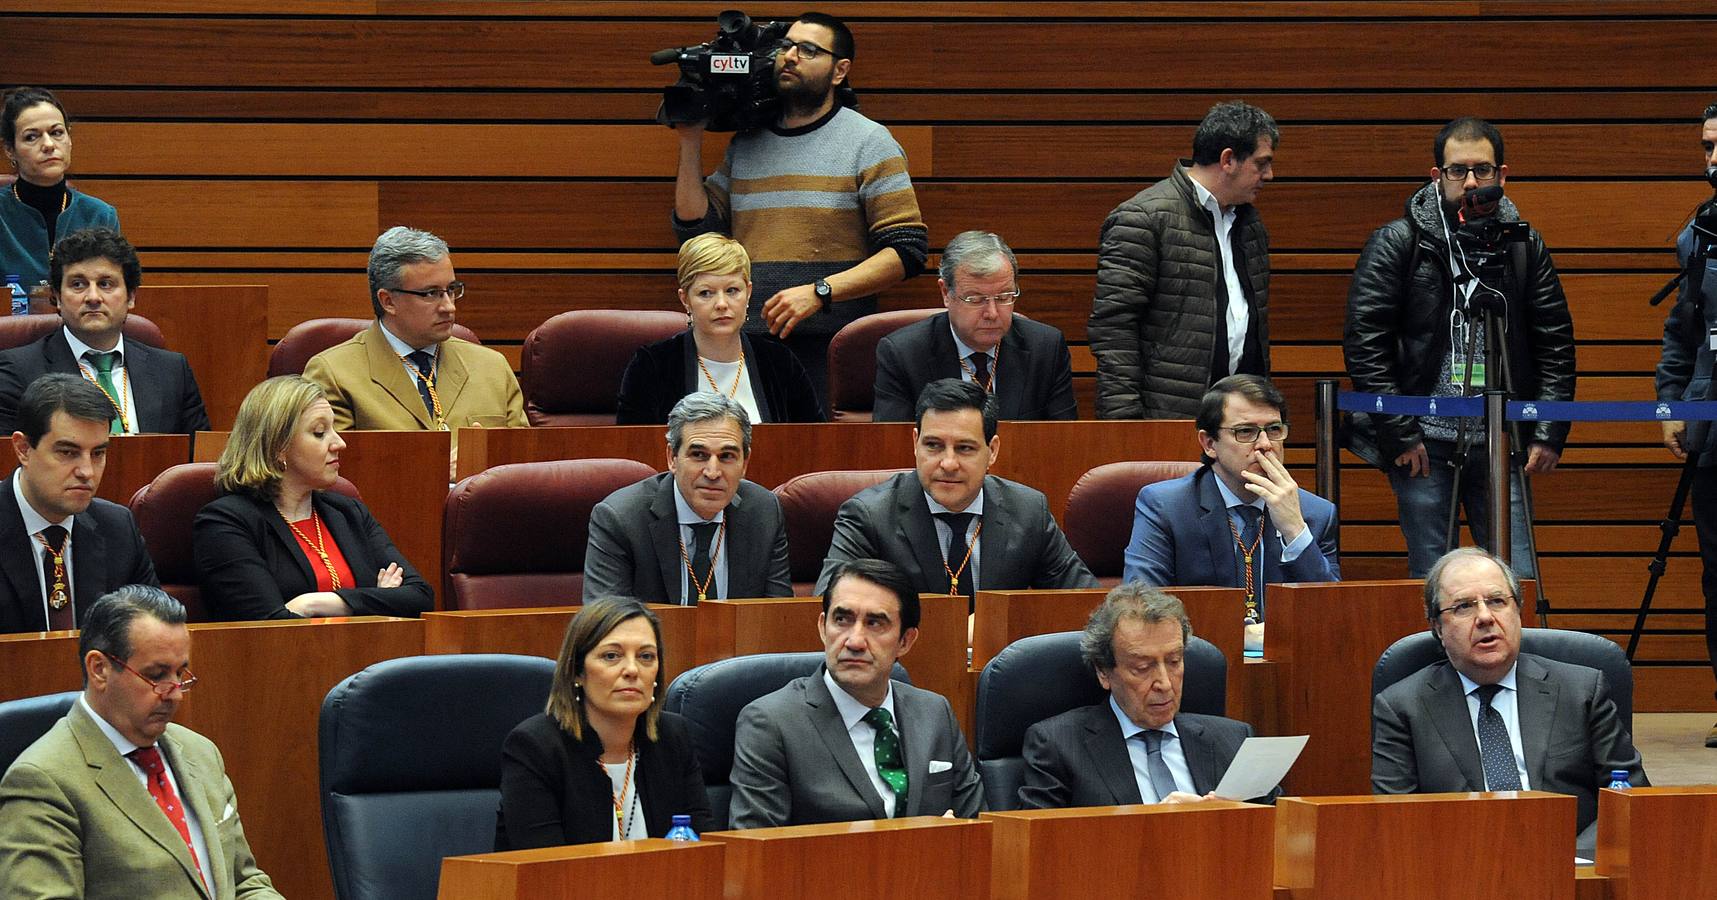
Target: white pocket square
{"type": "Point", "coordinates": [227, 813]}
{"type": "Point", "coordinates": [940, 765]}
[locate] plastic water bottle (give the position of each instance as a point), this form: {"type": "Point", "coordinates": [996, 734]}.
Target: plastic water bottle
{"type": "Point", "coordinates": [1619, 780]}
{"type": "Point", "coordinates": [682, 830]}
{"type": "Point", "coordinates": [20, 297]}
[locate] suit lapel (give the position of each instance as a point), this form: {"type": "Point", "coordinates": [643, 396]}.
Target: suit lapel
{"type": "Point", "coordinates": [143, 371]}
{"type": "Point", "coordinates": [999, 548]}
{"type": "Point", "coordinates": [89, 550]}
{"type": "Point", "coordinates": [916, 745]}
{"type": "Point", "coordinates": [944, 356]}
{"type": "Point", "coordinates": [753, 374]}
{"type": "Point", "coordinates": [1536, 698]}
{"type": "Point", "coordinates": [19, 559]}
{"type": "Point", "coordinates": [665, 538]}
{"type": "Point", "coordinates": [827, 719]}
{"type": "Point", "coordinates": [194, 784]}
{"type": "Point", "coordinates": [913, 524]}
{"type": "Point", "coordinates": [119, 783]}
{"type": "Point", "coordinates": [283, 534]}
{"type": "Point", "coordinates": [1218, 532]}
{"type": "Point", "coordinates": [1199, 760]}
{"type": "Point", "coordinates": [451, 376]}
{"type": "Point", "coordinates": [1447, 703]}
{"type": "Point", "coordinates": [57, 354]}
{"type": "Point", "coordinates": [388, 372]}
{"type": "Point", "coordinates": [353, 546]}
{"type": "Point", "coordinates": [1010, 388]}
{"type": "Point", "coordinates": [1108, 750]}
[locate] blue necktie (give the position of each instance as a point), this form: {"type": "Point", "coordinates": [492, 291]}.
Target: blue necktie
{"type": "Point", "coordinates": [1162, 780]}
{"type": "Point", "coordinates": [1496, 751]}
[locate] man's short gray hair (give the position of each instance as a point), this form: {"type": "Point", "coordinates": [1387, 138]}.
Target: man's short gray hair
{"type": "Point", "coordinates": [1434, 578]}
{"type": "Point", "coordinates": [107, 624]}
{"type": "Point", "coordinates": [705, 407]}
{"type": "Point", "coordinates": [1133, 600]}
{"type": "Point", "coordinates": [397, 248]}
{"type": "Point", "coordinates": [976, 252]}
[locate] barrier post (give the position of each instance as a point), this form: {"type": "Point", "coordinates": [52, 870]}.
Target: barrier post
{"type": "Point", "coordinates": [1496, 433]}
{"type": "Point", "coordinates": [1328, 454]}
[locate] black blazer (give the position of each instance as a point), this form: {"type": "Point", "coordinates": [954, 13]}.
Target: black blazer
{"type": "Point", "coordinates": [662, 373]}
{"type": "Point", "coordinates": [1034, 372]}
{"type": "Point", "coordinates": [107, 552]}
{"type": "Point", "coordinates": [1079, 758]}
{"type": "Point", "coordinates": [251, 564]}
{"type": "Point", "coordinates": [162, 385]}
{"type": "Point", "coordinates": [554, 792]}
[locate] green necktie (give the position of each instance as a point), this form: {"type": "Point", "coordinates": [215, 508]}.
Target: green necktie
{"type": "Point", "coordinates": [888, 763]}
{"type": "Point", "coordinates": [102, 363]}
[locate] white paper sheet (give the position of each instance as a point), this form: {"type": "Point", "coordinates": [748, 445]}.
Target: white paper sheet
{"type": "Point", "coordinates": [1260, 765]}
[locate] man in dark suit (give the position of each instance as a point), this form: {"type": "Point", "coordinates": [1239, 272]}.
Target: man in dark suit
{"type": "Point", "coordinates": [94, 276]}
{"type": "Point", "coordinates": [698, 530]}
{"type": "Point", "coordinates": [951, 526]}
{"type": "Point", "coordinates": [1138, 747]}
{"type": "Point", "coordinates": [1240, 521]}
{"type": "Point", "coordinates": [115, 801]}
{"type": "Point", "coordinates": [971, 341]}
{"type": "Point", "coordinates": [1492, 718]}
{"type": "Point", "coordinates": [848, 743]}
{"type": "Point", "coordinates": [61, 549]}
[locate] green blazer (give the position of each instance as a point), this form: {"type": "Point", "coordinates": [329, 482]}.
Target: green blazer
{"type": "Point", "coordinates": [75, 821]}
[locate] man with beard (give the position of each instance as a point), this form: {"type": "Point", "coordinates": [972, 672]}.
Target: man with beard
{"type": "Point", "coordinates": [1412, 314]}
{"type": "Point", "coordinates": [821, 199]}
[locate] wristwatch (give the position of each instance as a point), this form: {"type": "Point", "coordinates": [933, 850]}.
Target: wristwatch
{"type": "Point", "coordinates": [824, 292]}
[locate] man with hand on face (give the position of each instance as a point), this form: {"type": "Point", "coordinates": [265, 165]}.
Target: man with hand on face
{"type": "Point", "coordinates": [951, 526]}
{"type": "Point", "coordinates": [1240, 521]}
{"type": "Point", "coordinates": [980, 285]}
{"type": "Point", "coordinates": [698, 530]}
{"type": "Point", "coordinates": [60, 548]}
{"type": "Point", "coordinates": [1410, 318]}
{"type": "Point", "coordinates": [1491, 718]}
{"type": "Point", "coordinates": [1138, 747]}
{"type": "Point", "coordinates": [115, 801]}
{"type": "Point", "coordinates": [849, 744]}
{"type": "Point", "coordinates": [821, 199]}
{"type": "Point", "coordinates": [94, 275]}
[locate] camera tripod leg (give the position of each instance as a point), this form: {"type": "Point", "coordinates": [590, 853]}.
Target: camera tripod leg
{"type": "Point", "coordinates": [1463, 448]}
{"type": "Point", "coordinates": [1670, 526]}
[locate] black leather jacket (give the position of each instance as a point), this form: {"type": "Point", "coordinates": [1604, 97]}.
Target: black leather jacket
{"type": "Point", "coordinates": [1398, 323]}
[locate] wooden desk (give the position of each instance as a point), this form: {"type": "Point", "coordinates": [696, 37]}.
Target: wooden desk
{"type": "Point", "coordinates": [37, 663]}
{"type": "Point", "coordinates": [648, 868]}
{"type": "Point", "coordinates": [228, 360]}
{"type": "Point", "coordinates": [924, 856]}
{"type": "Point", "coordinates": [1427, 846]}
{"type": "Point", "coordinates": [133, 460]}
{"type": "Point", "coordinates": [1049, 456]}
{"type": "Point", "coordinates": [402, 476]}
{"type": "Point", "coordinates": [540, 632]}
{"type": "Point", "coordinates": [1655, 843]}
{"type": "Point", "coordinates": [1215, 849]}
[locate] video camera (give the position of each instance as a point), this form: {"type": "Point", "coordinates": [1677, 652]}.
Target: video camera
{"type": "Point", "coordinates": [728, 82]}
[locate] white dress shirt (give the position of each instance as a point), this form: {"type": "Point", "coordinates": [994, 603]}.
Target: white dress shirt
{"type": "Point", "coordinates": [864, 735]}
{"type": "Point", "coordinates": [688, 517]}
{"type": "Point", "coordinates": [1173, 755]}
{"type": "Point", "coordinates": [945, 531]}
{"type": "Point", "coordinates": [124, 746]}
{"type": "Point", "coordinates": [969, 372]}
{"type": "Point", "coordinates": [120, 383]}
{"type": "Point", "coordinates": [1239, 315]}
{"type": "Point", "coordinates": [33, 525]}
{"type": "Point", "coordinates": [1506, 703]}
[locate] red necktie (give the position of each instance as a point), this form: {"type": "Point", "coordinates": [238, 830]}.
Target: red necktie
{"type": "Point", "coordinates": [149, 760]}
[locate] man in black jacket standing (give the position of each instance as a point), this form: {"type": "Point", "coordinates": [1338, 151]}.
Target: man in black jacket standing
{"type": "Point", "coordinates": [1411, 317]}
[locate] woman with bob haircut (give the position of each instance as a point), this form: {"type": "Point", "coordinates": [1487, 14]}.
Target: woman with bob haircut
{"type": "Point", "coordinates": [279, 544]}
{"type": "Point", "coordinates": [41, 206]}
{"type": "Point", "coordinates": [602, 762]}
{"type": "Point", "coordinates": [714, 354]}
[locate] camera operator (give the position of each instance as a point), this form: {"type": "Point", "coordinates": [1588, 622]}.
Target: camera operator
{"type": "Point", "coordinates": [821, 200]}
{"type": "Point", "coordinates": [1409, 311]}
{"type": "Point", "coordinates": [1684, 373]}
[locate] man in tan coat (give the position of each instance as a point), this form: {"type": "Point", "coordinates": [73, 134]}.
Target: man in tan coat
{"type": "Point", "coordinates": [115, 801]}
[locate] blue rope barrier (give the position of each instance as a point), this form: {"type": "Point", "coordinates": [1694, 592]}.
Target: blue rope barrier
{"type": "Point", "coordinates": [1532, 410]}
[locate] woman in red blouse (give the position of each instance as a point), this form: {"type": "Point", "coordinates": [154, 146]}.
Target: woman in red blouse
{"type": "Point", "coordinates": [282, 543]}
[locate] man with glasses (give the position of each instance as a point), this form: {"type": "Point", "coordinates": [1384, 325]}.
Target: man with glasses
{"type": "Point", "coordinates": [1239, 520]}
{"type": "Point", "coordinates": [115, 801]}
{"type": "Point", "coordinates": [821, 199]}
{"type": "Point", "coordinates": [1491, 718]}
{"type": "Point", "coordinates": [407, 371]}
{"type": "Point", "coordinates": [1023, 364]}
{"type": "Point", "coordinates": [61, 548]}
{"type": "Point", "coordinates": [1412, 312]}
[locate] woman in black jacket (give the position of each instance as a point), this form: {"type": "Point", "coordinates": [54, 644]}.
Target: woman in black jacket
{"type": "Point", "coordinates": [714, 354]}
{"type": "Point", "coordinates": [281, 545]}
{"type": "Point", "coordinates": [603, 762]}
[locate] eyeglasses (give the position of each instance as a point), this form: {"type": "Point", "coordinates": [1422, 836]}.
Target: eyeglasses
{"type": "Point", "coordinates": [453, 291]}
{"type": "Point", "coordinates": [1005, 298]}
{"type": "Point", "coordinates": [1248, 434]}
{"type": "Point", "coordinates": [1458, 172]}
{"type": "Point", "coordinates": [807, 50]}
{"type": "Point", "coordinates": [165, 686]}
{"type": "Point", "coordinates": [1466, 609]}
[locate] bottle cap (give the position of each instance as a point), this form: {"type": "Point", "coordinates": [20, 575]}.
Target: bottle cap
{"type": "Point", "coordinates": [682, 820]}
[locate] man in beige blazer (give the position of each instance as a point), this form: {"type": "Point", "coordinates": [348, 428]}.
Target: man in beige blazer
{"type": "Point", "coordinates": [115, 801]}
{"type": "Point", "coordinates": [407, 372]}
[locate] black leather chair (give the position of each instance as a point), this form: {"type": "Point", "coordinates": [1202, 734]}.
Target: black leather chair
{"type": "Point", "coordinates": [1042, 676]}
{"type": "Point", "coordinates": [23, 721]}
{"type": "Point", "coordinates": [411, 766]}
{"type": "Point", "coordinates": [1421, 649]}
{"type": "Point", "coordinates": [711, 696]}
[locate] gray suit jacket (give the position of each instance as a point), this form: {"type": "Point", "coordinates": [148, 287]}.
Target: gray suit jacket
{"type": "Point", "coordinates": [1423, 741]}
{"type": "Point", "coordinates": [634, 548]}
{"type": "Point", "coordinates": [794, 762]}
{"type": "Point", "coordinates": [1020, 547]}
{"type": "Point", "coordinates": [1080, 759]}
{"type": "Point", "coordinates": [76, 822]}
